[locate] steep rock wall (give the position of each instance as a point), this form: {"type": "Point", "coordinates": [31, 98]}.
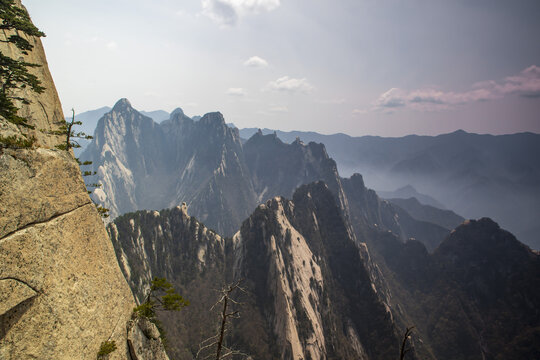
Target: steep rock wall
{"type": "Point", "coordinates": [62, 291]}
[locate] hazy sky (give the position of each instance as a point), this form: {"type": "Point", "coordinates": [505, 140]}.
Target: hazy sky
{"type": "Point", "coordinates": [377, 67]}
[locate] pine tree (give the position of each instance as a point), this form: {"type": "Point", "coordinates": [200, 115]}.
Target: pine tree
{"type": "Point", "coordinates": [14, 74]}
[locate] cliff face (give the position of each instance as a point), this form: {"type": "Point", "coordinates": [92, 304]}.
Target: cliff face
{"type": "Point", "coordinates": [309, 292]}
{"type": "Point", "coordinates": [172, 244]}
{"type": "Point", "coordinates": [309, 282]}
{"type": "Point", "coordinates": [61, 290]}
{"type": "Point", "coordinates": [145, 165]}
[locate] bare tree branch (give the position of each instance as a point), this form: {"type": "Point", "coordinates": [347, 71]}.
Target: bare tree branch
{"type": "Point", "coordinates": [404, 348]}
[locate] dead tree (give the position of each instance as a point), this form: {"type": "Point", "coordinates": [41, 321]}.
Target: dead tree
{"type": "Point", "coordinates": [404, 348]}
{"type": "Point", "coordinates": [218, 341]}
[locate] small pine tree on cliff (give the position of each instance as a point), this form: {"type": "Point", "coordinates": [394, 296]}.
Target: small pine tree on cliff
{"type": "Point", "coordinates": [14, 73]}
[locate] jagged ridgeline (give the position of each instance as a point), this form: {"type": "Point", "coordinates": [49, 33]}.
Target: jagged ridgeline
{"type": "Point", "coordinates": [314, 291]}
{"type": "Point", "coordinates": [308, 292]}
{"type": "Point", "coordinates": [145, 165]}
{"type": "Point", "coordinates": [151, 166]}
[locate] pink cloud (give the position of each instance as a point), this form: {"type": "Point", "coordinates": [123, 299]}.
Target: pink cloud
{"type": "Point", "coordinates": [525, 84]}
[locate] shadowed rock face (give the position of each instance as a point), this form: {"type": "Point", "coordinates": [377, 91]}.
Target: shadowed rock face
{"type": "Point", "coordinates": [61, 291]}
{"type": "Point", "coordinates": [476, 296]}
{"type": "Point", "coordinates": [313, 291]}
{"type": "Point", "coordinates": [309, 293]}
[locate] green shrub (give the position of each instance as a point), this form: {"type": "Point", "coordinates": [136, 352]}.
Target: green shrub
{"type": "Point", "coordinates": [106, 348]}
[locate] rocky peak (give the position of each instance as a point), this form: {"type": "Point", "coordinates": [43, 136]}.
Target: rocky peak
{"type": "Point", "coordinates": [483, 241]}
{"type": "Point", "coordinates": [298, 258]}
{"type": "Point", "coordinates": [358, 181]}
{"type": "Point", "coordinates": [214, 118]}
{"type": "Point", "coordinates": [122, 105]}
{"type": "Point", "coordinates": [178, 112]}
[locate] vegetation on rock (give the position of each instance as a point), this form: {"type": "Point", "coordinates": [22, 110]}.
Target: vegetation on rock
{"type": "Point", "coordinates": [105, 349]}
{"type": "Point", "coordinates": [161, 297]}
{"type": "Point", "coordinates": [15, 74]}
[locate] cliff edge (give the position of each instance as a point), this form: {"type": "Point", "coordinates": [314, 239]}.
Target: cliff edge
{"type": "Point", "coordinates": [61, 290]}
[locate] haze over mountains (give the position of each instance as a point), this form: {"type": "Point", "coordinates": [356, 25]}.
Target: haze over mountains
{"type": "Point", "coordinates": [474, 175]}
{"type": "Point", "coordinates": [331, 270]}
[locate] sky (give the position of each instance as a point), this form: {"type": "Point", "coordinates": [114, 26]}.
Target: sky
{"type": "Point", "coordinates": [360, 67]}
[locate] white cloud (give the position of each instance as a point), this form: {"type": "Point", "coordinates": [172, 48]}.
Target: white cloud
{"type": "Point", "coordinates": [112, 45]}
{"type": "Point", "coordinates": [288, 84]}
{"type": "Point", "coordinates": [256, 62]}
{"type": "Point", "coordinates": [359, 111]}
{"type": "Point", "coordinates": [279, 109]}
{"type": "Point", "coordinates": [236, 92]}
{"type": "Point", "coordinates": [525, 84]}
{"type": "Point", "coordinates": [227, 12]}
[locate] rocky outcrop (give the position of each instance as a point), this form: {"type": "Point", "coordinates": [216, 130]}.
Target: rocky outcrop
{"type": "Point", "coordinates": [144, 340]}
{"type": "Point", "coordinates": [62, 291]}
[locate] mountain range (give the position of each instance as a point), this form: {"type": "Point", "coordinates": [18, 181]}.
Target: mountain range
{"type": "Point", "coordinates": [144, 165]}
{"type": "Point", "coordinates": [329, 269]}
{"type": "Point", "coordinates": [312, 265]}
{"type": "Point", "coordinates": [473, 175]}
{"type": "Point", "coordinates": [314, 289]}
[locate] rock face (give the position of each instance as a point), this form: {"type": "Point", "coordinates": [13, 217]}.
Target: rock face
{"type": "Point", "coordinates": [145, 165]}
{"type": "Point", "coordinates": [309, 294]}
{"type": "Point", "coordinates": [62, 291]}
{"type": "Point", "coordinates": [144, 341]}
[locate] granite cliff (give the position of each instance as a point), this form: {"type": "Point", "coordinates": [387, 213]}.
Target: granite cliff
{"type": "Point", "coordinates": [61, 290]}
{"type": "Point", "coordinates": [308, 291]}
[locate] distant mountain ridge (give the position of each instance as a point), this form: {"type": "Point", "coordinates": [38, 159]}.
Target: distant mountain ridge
{"type": "Point", "coordinates": [145, 165]}
{"type": "Point", "coordinates": [474, 175]}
